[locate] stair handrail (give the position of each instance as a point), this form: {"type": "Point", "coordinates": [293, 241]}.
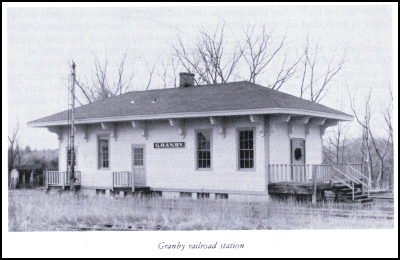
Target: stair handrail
{"type": "Point", "coordinates": [343, 182]}
{"type": "Point", "coordinates": [350, 177]}
{"type": "Point", "coordinates": [360, 173]}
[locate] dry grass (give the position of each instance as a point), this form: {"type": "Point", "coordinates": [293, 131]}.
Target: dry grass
{"type": "Point", "coordinates": [33, 210]}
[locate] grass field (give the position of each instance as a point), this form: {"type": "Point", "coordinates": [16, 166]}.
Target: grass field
{"type": "Point", "coordinates": [33, 210]}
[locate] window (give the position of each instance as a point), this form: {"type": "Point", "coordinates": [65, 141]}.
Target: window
{"type": "Point", "coordinates": [203, 196]}
{"type": "Point", "coordinates": [100, 192]}
{"type": "Point", "coordinates": [103, 152]}
{"type": "Point", "coordinates": [185, 194]}
{"type": "Point", "coordinates": [221, 196]}
{"type": "Point", "coordinates": [246, 149]}
{"type": "Point", "coordinates": [138, 156]}
{"type": "Point", "coordinates": [69, 152]}
{"type": "Point", "coordinates": [204, 149]}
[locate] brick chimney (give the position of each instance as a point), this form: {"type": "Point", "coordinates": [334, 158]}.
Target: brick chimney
{"type": "Point", "coordinates": [186, 79]}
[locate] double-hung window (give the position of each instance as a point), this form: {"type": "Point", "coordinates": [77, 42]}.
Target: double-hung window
{"type": "Point", "coordinates": [103, 152]}
{"type": "Point", "coordinates": [246, 149]}
{"type": "Point", "coordinates": [203, 138]}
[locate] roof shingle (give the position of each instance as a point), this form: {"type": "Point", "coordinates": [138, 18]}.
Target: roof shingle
{"type": "Point", "coordinates": [203, 98]}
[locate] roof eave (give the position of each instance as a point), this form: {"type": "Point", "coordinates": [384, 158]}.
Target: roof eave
{"type": "Point", "coordinates": [198, 114]}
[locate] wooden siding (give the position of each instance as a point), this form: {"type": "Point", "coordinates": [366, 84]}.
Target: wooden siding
{"type": "Point", "coordinates": [174, 168]}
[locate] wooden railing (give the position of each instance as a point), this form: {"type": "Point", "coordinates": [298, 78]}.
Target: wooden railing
{"type": "Point", "coordinates": [353, 174]}
{"type": "Point", "coordinates": [289, 172]}
{"type": "Point", "coordinates": [53, 178]}
{"type": "Point", "coordinates": [349, 175]}
{"type": "Point", "coordinates": [322, 172]}
{"type": "Point", "coordinates": [56, 178]}
{"type": "Point", "coordinates": [123, 179]}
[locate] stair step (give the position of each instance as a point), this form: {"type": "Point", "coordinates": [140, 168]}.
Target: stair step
{"type": "Point", "coordinates": [359, 197]}
{"type": "Point", "coordinates": [365, 200]}
{"type": "Point", "coordinates": [340, 187]}
{"type": "Point", "coordinates": [350, 192]}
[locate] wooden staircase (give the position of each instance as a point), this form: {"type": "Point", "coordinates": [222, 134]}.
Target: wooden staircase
{"type": "Point", "coordinates": [350, 185]}
{"type": "Point", "coordinates": [345, 194]}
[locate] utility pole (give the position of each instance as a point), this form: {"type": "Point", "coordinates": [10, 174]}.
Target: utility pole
{"type": "Point", "coordinates": [72, 174]}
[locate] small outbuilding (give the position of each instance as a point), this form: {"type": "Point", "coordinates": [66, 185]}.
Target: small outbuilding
{"type": "Point", "coordinates": [26, 176]}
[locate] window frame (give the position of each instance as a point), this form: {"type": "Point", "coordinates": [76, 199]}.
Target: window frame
{"type": "Point", "coordinates": [221, 196]}
{"type": "Point", "coordinates": [196, 131]}
{"type": "Point", "coordinates": [203, 195]}
{"type": "Point", "coordinates": [185, 195]}
{"type": "Point", "coordinates": [76, 157]}
{"type": "Point", "coordinates": [103, 136]}
{"type": "Point", "coordinates": [238, 130]}
{"type": "Point", "coordinates": [140, 146]}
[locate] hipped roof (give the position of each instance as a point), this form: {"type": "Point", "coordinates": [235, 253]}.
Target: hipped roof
{"type": "Point", "coordinates": [195, 101]}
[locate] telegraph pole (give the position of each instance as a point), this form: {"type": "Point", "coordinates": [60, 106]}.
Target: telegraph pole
{"type": "Point", "coordinates": [72, 174]}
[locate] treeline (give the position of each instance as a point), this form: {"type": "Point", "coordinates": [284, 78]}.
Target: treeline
{"type": "Point", "coordinates": [44, 160]}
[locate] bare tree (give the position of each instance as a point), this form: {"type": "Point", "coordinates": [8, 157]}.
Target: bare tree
{"type": "Point", "coordinates": [151, 72]}
{"type": "Point", "coordinates": [168, 72]}
{"type": "Point", "coordinates": [318, 71]}
{"type": "Point", "coordinates": [337, 140]}
{"type": "Point", "coordinates": [209, 58]}
{"type": "Point", "coordinates": [259, 53]}
{"type": "Point", "coordinates": [366, 149]}
{"type": "Point", "coordinates": [163, 74]}
{"type": "Point", "coordinates": [14, 150]}
{"type": "Point", "coordinates": [256, 54]}
{"type": "Point", "coordinates": [376, 148]}
{"type": "Point", "coordinates": [388, 115]}
{"type": "Point", "coordinates": [98, 87]}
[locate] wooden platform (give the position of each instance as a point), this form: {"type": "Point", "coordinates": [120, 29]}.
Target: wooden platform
{"type": "Point", "coordinates": [293, 187]}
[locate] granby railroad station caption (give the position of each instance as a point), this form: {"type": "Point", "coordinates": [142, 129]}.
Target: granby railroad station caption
{"type": "Point", "coordinates": [199, 245]}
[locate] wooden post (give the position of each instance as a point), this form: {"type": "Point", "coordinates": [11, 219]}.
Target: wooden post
{"type": "Point", "coordinates": [31, 180]}
{"type": "Point", "coordinates": [63, 180]}
{"type": "Point", "coordinates": [112, 181]}
{"type": "Point", "coordinates": [353, 189]}
{"type": "Point", "coordinates": [266, 153]}
{"type": "Point", "coordinates": [314, 178]}
{"type": "Point", "coordinates": [46, 183]}
{"type": "Point", "coordinates": [133, 182]}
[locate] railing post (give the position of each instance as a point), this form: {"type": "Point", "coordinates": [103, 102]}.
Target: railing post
{"type": "Point", "coordinates": [46, 185]}
{"type": "Point", "coordinates": [353, 189]}
{"type": "Point", "coordinates": [112, 181]}
{"type": "Point", "coordinates": [63, 180]}
{"type": "Point", "coordinates": [314, 195]}
{"type": "Point", "coordinates": [133, 182]}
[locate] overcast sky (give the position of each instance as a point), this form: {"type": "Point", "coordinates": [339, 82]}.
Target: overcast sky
{"type": "Point", "coordinates": [41, 41]}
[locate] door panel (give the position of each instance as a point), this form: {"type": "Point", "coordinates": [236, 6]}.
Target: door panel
{"type": "Point", "coordinates": [298, 159]}
{"type": "Point", "coordinates": [139, 164]}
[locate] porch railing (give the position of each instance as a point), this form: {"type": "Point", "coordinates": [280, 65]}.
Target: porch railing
{"type": "Point", "coordinates": [322, 172]}
{"type": "Point", "coordinates": [349, 175]}
{"type": "Point", "coordinates": [57, 178]}
{"type": "Point", "coordinates": [123, 179]}
{"type": "Point", "coordinates": [288, 172]}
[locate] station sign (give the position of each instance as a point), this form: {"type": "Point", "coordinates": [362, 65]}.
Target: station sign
{"type": "Point", "coordinates": [170, 145]}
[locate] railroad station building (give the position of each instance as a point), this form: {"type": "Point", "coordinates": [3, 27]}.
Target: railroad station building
{"type": "Point", "coordinates": [230, 140]}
